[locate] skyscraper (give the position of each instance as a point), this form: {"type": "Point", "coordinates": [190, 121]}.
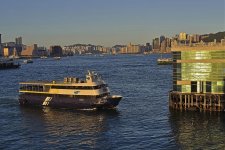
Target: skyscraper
{"type": "Point", "coordinates": [182, 36]}
{"type": "Point", "coordinates": [18, 45]}
{"type": "Point", "coordinates": [162, 38]}
{"type": "Point", "coordinates": [56, 51]}
{"type": "Point", "coordinates": [156, 44]}
{"type": "Point", "coordinates": [163, 46]}
{"type": "Point", "coordinates": [19, 41]}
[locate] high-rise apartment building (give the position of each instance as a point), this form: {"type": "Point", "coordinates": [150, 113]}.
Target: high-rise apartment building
{"type": "Point", "coordinates": [163, 46]}
{"type": "Point", "coordinates": [56, 51]}
{"type": "Point", "coordinates": [156, 44]}
{"type": "Point", "coordinates": [182, 36]}
{"type": "Point", "coordinates": [196, 38]}
{"type": "Point", "coordinates": [132, 49]}
{"type": "Point", "coordinates": [18, 40]}
{"type": "Point", "coordinates": [162, 38]}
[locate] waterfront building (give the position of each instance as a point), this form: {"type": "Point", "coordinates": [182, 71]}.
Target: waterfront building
{"type": "Point", "coordinates": [18, 40]}
{"type": "Point", "coordinates": [196, 38]}
{"type": "Point", "coordinates": [10, 44]}
{"type": "Point", "coordinates": [119, 49]}
{"type": "Point", "coordinates": [223, 42]}
{"type": "Point", "coordinates": [204, 36]}
{"type": "Point", "coordinates": [100, 49]}
{"type": "Point", "coordinates": [148, 47]}
{"type": "Point", "coordinates": [189, 38]}
{"type": "Point", "coordinates": [198, 76]}
{"type": "Point", "coordinates": [56, 51]}
{"type": "Point", "coordinates": [30, 51]}
{"type": "Point", "coordinates": [6, 51]}
{"type": "Point", "coordinates": [156, 44]}
{"type": "Point", "coordinates": [132, 49]}
{"type": "Point", "coordinates": [42, 51]}
{"type": "Point", "coordinates": [18, 45]}
{"type": "Point", "coordinates": [162, 38]}
{"type": "Point", "coordinates": [108, 50]}
{"type": "Point", "coordinates": [115, 50]}
{"type": "Point", "coordinates": [163, 46]}
{"type": "Point", "coordinates": [84, 48]}
{"type": "Point", "coordinates": [9, 51]}
{"type": "Point", "coordinates": [182, 36]}
{"type": "Point", "coordinates": [168, 42]}
{"type": "Point", "coordinates": [123, 50]}
{"type": "Point", "coordinates": [168, 45]}
{"type": "Point", "coordinates": [19, 49]}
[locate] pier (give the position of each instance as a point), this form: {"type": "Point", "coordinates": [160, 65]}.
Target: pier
{"type": "Point", "coordinates": [197, 101]}
{"type": "Point", "coordinates": [198, 77]}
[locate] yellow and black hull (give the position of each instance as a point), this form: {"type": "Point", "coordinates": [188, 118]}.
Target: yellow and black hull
{"type": "Point", "coordinates": [65, 101]}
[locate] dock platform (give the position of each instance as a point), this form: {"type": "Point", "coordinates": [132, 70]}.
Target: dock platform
{"type": "Point", "coordinates": [197, 101]}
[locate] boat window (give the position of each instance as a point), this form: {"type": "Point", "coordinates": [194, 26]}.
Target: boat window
{"type": "Point", "coordinates": [80, 87]}
{"type": "Point", "coordinates": [37, 88]}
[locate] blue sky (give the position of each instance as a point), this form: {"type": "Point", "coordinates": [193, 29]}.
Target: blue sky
{"type": "Point", "coordinates": [107, 22]}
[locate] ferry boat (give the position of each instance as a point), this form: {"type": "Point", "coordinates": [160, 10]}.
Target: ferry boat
{"type": "Point", "coordinates": [28, 61]}
{"type": "Point", "coordinates": [8, 64]}
{"type": "Point", "coordinates": [164, 61]}
{"type": "Point", "coordinates": [91, 93]}
{"type": "Point", "coordinates": [43, 57]}
{"type": "Point", "coordinates": [57, 58]}
{"type": "Point", "coordinates": [14, 57]}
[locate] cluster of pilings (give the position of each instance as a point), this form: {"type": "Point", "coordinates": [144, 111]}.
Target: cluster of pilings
{"type": "Point", "coordinates": [197, 101]}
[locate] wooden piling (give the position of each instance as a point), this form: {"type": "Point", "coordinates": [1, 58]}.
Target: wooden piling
{"type": "Point", "coordinates": [197, 101]}
{"type": "Point", "coordinates": [181, 101]}
{"type": "Point", "coordinates": [185, 102]}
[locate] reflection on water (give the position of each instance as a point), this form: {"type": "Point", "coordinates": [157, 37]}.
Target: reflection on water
{"type": "Point", "coordinates": [72, 127]}
{"type": "Point", "coordinates": [193, 130]}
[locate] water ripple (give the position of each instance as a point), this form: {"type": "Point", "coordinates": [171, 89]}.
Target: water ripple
{"type": "Point", "coordinates": [141, 121]}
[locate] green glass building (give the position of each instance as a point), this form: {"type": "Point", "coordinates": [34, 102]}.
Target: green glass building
{"type": "Point", "coordinates": [198, 70]}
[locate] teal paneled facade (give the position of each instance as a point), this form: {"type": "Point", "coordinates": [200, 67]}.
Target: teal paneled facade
{"type": "Point", "coordinates": [204, 70]}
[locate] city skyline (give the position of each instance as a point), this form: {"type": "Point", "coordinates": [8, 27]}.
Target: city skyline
{"type": "Point", "coordinates": [107, 22]}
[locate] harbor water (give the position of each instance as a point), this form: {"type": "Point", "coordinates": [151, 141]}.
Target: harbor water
{"type": "Point", "coordinates": [142, 120]}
